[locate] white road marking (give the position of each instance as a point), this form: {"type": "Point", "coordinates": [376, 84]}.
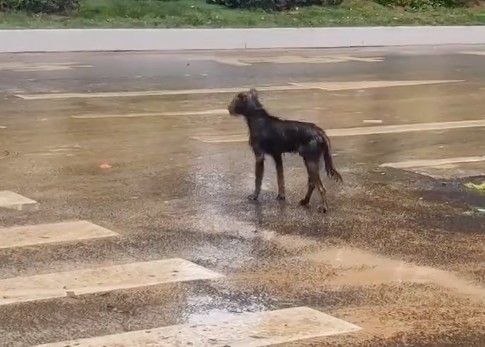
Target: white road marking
{"type": "Point", "coordinates": [352, 85]}
{"type": "Point", "coordinates": [362, 59]}
{"type": "Point", "coordinates": [372, 121]}
{"type": "Point", "coordinates": [402, 128]}
{"type": "Point", "coordinates": [102, 279]}
{"type": "Point", "coordinates": [15, 201]}
{"type": "Point", "coordinates": [55, 150]}
{"type": "Point", "coordinates": [153, 114]}
{"type": "Point", "coordinates": [473, 52]}
{"type": "Point", "coordinates": [3, 127]}
{"type": "Point", "coordinates": [290, 86]}
{"type": "Point", "coordinates": [221, 138]}
{"type": "Point", "coordinates": [444, 169]}
{"type": "Point", "coordinates": [49, 96]}
{"type": "Point", "coordinates": [25, 67]}
{"type": "Point", "coordinates": [29, 235]}
{"type": "Point", "coordinates": [370, 130]}
{"type": "Point", "coordinates": [65, 150]}
{"type": "Point", "coordinates": [244, 330]}
{"type": "Point", "coordinates": [410, 164]}
{"type": "Point", "coordinates": [44, 154]}
{"type": "Point", "coordinates": [291, 59]}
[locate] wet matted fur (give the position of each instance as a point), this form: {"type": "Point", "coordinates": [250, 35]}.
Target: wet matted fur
{"type": "Point", "coordinates": [270, 135]}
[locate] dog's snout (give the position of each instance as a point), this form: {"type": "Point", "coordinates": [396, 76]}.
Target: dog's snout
{"type": "Point", "coordinates": [232, 108]}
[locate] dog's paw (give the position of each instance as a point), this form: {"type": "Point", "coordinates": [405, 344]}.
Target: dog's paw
{"type": "Point", "coordinates": [253, 197]}
{"type": "Point", "coordinates": [322, 209]}
{"type": "Point", "coordinates": [280, 197]}
{"type": "Point", "coordinates": [304, 202]}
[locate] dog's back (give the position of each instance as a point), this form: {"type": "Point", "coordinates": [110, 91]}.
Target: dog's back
{"type": "Point", "coordinates": [276, 135]}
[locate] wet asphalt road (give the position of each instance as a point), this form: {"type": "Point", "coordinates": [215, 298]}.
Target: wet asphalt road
{"type": "Point", "coordinates": [398, 254]}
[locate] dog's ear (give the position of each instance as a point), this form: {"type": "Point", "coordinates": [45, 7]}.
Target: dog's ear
{"type": "Point", "coordinates": [254, 93]}
{"type": "Point", "coordinates": [242, 96]}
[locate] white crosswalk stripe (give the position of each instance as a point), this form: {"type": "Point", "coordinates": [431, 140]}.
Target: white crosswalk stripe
{"type": "Point", "coordinates": [15, 201]}
{"type": "Point", "coordinates": [249, 330]}
{"type": "Point", "coordinates": [101, 279]}
{"type": "Point", "coordinates": [29, 235]}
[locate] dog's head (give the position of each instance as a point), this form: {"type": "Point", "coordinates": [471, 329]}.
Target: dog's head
{"type": "Point", "coordinates": [244, 102]}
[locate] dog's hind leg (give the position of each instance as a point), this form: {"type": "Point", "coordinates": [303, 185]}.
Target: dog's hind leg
{"type": "Point", "coordinates": [315, 181]}
{"type": "Point", "coordinates": [310, 186]}
{"type": "Point", "coordinates": [323, 194]}
{"type": "Point", "coordinates": [280, 176]}
{"type": "Point", "coordinates": [259, 172]}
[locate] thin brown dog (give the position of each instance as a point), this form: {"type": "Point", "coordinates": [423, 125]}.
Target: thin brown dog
{"type": "Point", "coordinates": [274, 136]}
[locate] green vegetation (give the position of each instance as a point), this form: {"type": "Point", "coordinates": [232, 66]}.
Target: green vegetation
{"type": "Point", "coordinates": [476, 187]}
{"type": "Point", "coordinates": [274, 5]}
{"type": "Point", "coordinates": [199, 13]}
{"type": "Point", "coordinates": [40, 6]}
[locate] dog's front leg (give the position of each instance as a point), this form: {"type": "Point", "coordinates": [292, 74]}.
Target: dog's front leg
{"type": "Point", "coordinates": [280, 176]}
{"type": "Point", "coordinates": [259, 172]}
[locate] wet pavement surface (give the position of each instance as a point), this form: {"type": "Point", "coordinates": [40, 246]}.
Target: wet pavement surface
{"type": "Point", "coordinates": [398, 254]}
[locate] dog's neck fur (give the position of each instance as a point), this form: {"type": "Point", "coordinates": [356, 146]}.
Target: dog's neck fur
{"type": "Point", "coordinates": [257, 112]}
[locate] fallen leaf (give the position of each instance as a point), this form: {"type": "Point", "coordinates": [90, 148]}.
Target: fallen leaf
{"type": "Point", "coordinates": [105, 166]}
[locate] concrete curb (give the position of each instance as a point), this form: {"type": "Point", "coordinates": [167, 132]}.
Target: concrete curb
{"type": "Point", "coordinates": [62, 40]}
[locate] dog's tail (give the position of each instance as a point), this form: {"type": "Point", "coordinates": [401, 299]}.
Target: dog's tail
{"type": "Point", "coordinates": [327, 156]}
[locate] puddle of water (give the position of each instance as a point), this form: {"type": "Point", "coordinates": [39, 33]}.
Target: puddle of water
{"type": "Point", "coordinates": [365, 268]}
{"type": "Point", "coordinates": [203, 309]}
{"type": "Point", "coordinates": [211, 222]}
